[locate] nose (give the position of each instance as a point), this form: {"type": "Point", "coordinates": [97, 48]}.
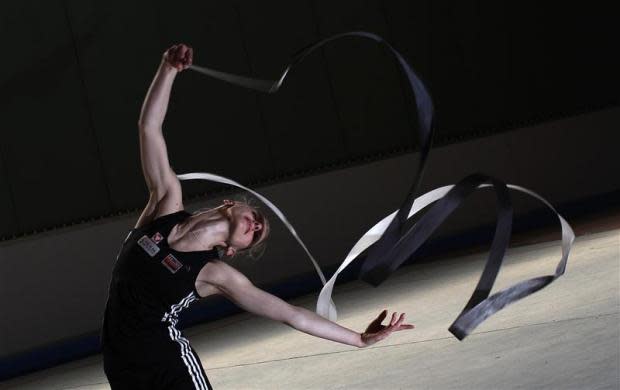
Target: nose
{"type": "Point", "coordinates": [256, 226]}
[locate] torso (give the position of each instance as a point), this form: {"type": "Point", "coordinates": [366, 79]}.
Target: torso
{"type": "Point", "coordinates": [154, 210]}
{"type": "Point", "coordinates": [203, 288]}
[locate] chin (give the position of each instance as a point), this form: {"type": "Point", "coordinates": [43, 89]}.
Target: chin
{"type": "Point", "coordinates": [241, 241]}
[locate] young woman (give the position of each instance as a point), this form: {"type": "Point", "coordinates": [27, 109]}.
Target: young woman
{"type": "Point", "coordinates": [172, 258]}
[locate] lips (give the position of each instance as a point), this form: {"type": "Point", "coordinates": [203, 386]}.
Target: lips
{"type": "Point", "coordinates": [247, 225]}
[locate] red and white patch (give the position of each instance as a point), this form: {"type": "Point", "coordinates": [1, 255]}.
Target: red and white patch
{"type": "Point", "coordinates": [172, 263]}
{"type": "Point", "coordinates": [157, 237]}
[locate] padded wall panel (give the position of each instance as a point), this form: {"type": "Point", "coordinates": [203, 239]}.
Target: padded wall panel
{"type": "Point", "coordinates": [562, 59]}
{"type": "Point", "coordinates": [408, 24]}
{"type": "Point", "coordinates": [469, 65]}
{"type": "Point", "coordinates": [211, 125]}
{"type": "Point", "coordinates": [409, 32]}
{"type": "Point", "coordinates": [496, 66]}
{"type": "Point", "coordinates": [48, 141]}
{"type": "Point", "coordinates": [452, 76]}
{"type": "Point", "coordinates": [118, 61]}
{"type": "Point", "coordinates": [365, 78]}
{"type": "Point", "coordinates": [301, 120]}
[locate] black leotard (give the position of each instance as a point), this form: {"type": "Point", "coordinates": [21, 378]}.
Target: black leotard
{"type": "Point", "coordinates": [151, 283]}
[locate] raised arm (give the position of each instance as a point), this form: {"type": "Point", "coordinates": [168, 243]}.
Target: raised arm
{"type": "Point", "coordinates": [237, 288]}
{"type": "Point", "coordinates": [165, 194]}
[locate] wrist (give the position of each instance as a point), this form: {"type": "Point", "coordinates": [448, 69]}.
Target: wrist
{"type": "Point", "coordinates": [360, 341]}
{"type": "Point", "coordinates": [167, 69]}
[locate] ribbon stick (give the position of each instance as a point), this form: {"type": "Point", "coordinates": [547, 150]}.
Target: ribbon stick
{"type": "Point", "coordinates": [389, 244]}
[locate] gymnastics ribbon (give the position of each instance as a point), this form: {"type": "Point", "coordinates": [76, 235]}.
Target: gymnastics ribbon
{"type": "Point", "coordinates": [389, 243]}
{"type": "Point", "coordinates": [330, 307]}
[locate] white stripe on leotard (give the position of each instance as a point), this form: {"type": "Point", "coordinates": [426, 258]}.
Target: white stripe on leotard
{"type": "Point", "coordinates": [194, 368]}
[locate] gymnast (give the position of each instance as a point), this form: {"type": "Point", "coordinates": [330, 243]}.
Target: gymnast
{"type": "Point", "coordinates": [172, 258]}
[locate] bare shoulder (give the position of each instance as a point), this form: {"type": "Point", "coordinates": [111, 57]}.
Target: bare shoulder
{"type": "Point", "coordinates": [220, 274]}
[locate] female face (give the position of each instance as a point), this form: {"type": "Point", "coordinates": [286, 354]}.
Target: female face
{"type": "Point", "coordinates": [248, 226]}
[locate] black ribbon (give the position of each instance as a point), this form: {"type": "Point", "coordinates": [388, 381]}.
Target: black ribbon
{"type": "Point", "coordinates": [397, 244]}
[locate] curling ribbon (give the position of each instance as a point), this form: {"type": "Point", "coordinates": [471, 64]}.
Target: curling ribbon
{"type": "Point", "coordinates": [388, 244]}
{"type": "Point", "coordinates": [330, 307]}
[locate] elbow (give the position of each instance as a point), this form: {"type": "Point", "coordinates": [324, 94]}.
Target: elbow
{"type": "Point", "coordinates": [148, 126]}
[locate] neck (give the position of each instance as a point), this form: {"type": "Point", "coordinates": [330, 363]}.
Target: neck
{"type": "Point", "coordinates": [202, 231]}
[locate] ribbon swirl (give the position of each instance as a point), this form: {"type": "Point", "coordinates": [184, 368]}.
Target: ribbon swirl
{"type": "Point", "coordinates": [388, 243]}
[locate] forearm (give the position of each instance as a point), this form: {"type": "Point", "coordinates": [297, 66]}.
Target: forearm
{"type": "Point", "coordinates": [156, 102]}
{"type": "Point", "coordinates": [238, 288]}
{"type": "Point", "coordinates": [315, 325]}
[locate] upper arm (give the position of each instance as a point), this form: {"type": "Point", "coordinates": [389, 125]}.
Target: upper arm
{"type": "Point", "coordinates": [240, 290]}
{"type": "Point", "coordinates": [165, 195]}
{"type": "Point", "coordinates": [154, 157]}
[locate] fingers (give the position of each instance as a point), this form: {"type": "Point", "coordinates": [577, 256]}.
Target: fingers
{"type": "Point", "coordinates": [396, 325]}
{"type": "Point", "coordinates": [185, 56]}
{"type": "Point", "coordinates": [395, 318]}
{"type": "Point", "coordinates": [189, 57]}
{"type": "Point", "coordinates": [377, 332]}
{"type": "Point", "coordinates": [180, 56]}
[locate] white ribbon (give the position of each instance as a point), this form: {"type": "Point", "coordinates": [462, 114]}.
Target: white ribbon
{"type": "Point", "coordinates": [329, 306]}
{"type": "Point", "coordinates": [374, 233]}
{"type": "Point", "coordinates": [325, 306]}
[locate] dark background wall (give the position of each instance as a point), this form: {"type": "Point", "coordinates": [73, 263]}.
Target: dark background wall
{"type": "Point", "coordinates": [75, 72]}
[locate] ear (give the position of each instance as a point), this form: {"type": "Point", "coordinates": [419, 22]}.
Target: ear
{"type": "Point", "coordinates": [228, 203]}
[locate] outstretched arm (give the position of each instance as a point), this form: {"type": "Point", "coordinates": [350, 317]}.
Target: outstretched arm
{"type": "Point", "coordinates": [237, 288]}
{"type": "Point", "coordinates": [165, 195]}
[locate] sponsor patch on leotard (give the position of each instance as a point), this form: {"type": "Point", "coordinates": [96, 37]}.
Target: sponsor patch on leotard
{"type": "Point", "coordinates": [172, 263]}
{"type": "Point", "coordinates": [148, 245]}
{"type": "Point", "coordinates": [157, 237]}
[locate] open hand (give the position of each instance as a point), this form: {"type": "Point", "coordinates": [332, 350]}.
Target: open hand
{"type": "Point", "coordinates": [377, 332]}
{"type": "Point", "coordinates": [179, 56]}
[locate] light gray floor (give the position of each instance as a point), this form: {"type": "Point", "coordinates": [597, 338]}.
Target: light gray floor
{"type": "Point", "coordinates": [566, 336]}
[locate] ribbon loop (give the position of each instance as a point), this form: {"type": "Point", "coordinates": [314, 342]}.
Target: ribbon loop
{"type": "Point", "coordinates": [388, 243]}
